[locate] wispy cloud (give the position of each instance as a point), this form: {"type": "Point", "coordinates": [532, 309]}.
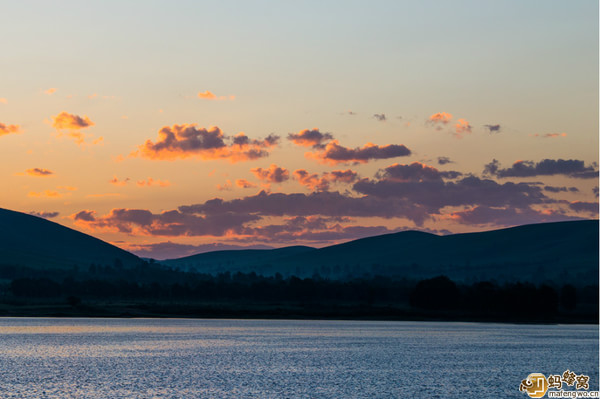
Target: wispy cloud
{"type": "Point", "coordinates": [334, 153]}
{"type": "Point", "coordinates": [225, 186]}
{"type": "Point", "coordinates": [115, 181]}
{"type": "Point", "coordinates": [67, 188]}
{"type": "Point", "coordinates": [207, 95]}
{"type": "Point", "coordinates": [440, 118]}
{"type": "Point", "coordinates": [493, 128]}
{"type": "Point", "coordinates": [46, 193]}
{"type": "Point", "coordinates": [149, 182]}
{"type": "Point", "coordinates": [243, 183]}
{"type": "Point", "coordinates": [45, 215]}
{"type": "Point", "coordinates": [546, 167]}
{"type": "Point", "coordinates": [103, 195]}
{"type": "Point", "coordinates": [462, 127]}
{"type": "Point", "coordinates": [549, 135]}
{"type": "Point", "coordinates": [39, 172]}
{"type": "Point", "coordinates": [507, 216]}
{"type": "Point", "coordinates": [444, 160]}
{"type": "Point", "coordinates": [50, 91]}
{"type": "Point", "coordinates": [8, 129]}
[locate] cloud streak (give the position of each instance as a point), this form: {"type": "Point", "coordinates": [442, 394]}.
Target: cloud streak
{"type": "Point", "coordinates": [207, 95]}
{"type": "Point", "coordinates": [547, 167]}
{"type": "Point", "coordinates": [149, 182]}
{"type": "Point", "coordinates": [550, 135]}
{"type": "Point", "coordinates": [168, 224]}
{"type": "Point", "coordinates": [45, 215]}
{"type": "Point", "coordinates": [39, 172]}
{"type": "Point", "coordinates": [334, 153]}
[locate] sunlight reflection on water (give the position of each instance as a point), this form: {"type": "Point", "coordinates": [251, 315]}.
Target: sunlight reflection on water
{"type": "Point", "coordinates": [174, 358]}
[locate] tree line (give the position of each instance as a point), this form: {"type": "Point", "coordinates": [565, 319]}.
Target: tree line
{"type": "Point", "coordinates": [439, 294]}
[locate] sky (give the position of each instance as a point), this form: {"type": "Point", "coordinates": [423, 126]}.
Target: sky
{"type": "Point", "coordinates": [172, 128]}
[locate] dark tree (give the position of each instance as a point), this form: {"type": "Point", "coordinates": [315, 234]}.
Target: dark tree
{"type": "Point", "coordinates": [568, 297]}
{"type": "Point", "coordinates": [438, 293]}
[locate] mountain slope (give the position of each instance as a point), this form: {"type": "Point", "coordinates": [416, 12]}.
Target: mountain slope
{"type": "Point", "coordinates": [246, 260]}
{"type": "Point", "coordinates": [34, 242]}
{"type": "Point", "coordinates": [564, 251]}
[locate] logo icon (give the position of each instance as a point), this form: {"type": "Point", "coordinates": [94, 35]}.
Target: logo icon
{"type": "Point", "coordinates": [535, 385]}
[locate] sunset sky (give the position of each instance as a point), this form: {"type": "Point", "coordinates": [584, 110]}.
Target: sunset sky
{"type": "Point", "coordinates": [171, 128]}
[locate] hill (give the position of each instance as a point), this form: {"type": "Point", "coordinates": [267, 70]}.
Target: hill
{"type": "Point", "coordinates": [555, 252]}
{"type": "Point", "coordinates": [37, 243]}
{"type": "Point", "coordinates": [237, 260]}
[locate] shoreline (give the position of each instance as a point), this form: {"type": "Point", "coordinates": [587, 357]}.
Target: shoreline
{"type": "Point", "coordinates": [363, 312]}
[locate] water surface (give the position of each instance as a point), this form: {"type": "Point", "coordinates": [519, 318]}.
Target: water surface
{"type": "Point", "coordinates": [177, 358]}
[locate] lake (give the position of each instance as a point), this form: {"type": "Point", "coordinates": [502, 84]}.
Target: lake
{"type": "Point", "coordinates": [181, 358]}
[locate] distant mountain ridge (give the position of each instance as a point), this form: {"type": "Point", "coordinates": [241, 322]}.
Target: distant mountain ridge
{"type": "Point", "coordinates": [562, 251]}
{"type": "Point", "coordinates": [34, 242]}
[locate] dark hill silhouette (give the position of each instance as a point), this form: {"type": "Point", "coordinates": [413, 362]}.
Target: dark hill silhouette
{"type": "Point", "coordinates": [558, 252]}
{"type": "Point", "coordinates": [237, 260]}
{"type": "Point", "coordinates": [34, 242]}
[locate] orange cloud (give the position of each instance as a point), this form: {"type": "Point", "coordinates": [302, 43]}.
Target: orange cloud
{"type": "Point", "coordinates": [441, 117]}
{"type": "Point", "coordinates": [310, 138]}
{"type": "Point", "coordinates": [207, 95]}
{"type": "Point", "coordinates": [184, 141]}
{"type": "Point", "coordinates": [462, 126]}
{"type": "Point", "coordinates": [151, 182]}
{"type": "Point", "coordinates": [550, 135]}
{"type": "Point", "coordinates": [3, 100]}
{"type": "Point", "coordinates": [224, 187]}
{"type": "Point", "coordinates": [118, 182]}
{"type": "Point", "coordinates": [73, 123]}
{"type": "Point", "coordinates": [168, 223]}
{"type": "Point", "coordinates": [47, 193]}
{"type": "Point", "coordinates": [274, 174]}
{"type": "Point", "coordinates": [243, 183]}
{"type": "Point", "coordinates": [68, 188]}
{"type": "Point", "coordinates": [334, 153]}
{"type": "Point", "coordinates": [7, 129]}
{"type": "Point", "coordinates": [50, 91]}
{"type": "Point", "coordinates": [39, 172]}
{"type": "Point", "coordinates": [316, 183]}
{"type": "Point", "coordinates": [67, 121]}
{"type": "Point", "coordinates": [103, 195]}
{"type": "Point", "coordinates": [312, 181]}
